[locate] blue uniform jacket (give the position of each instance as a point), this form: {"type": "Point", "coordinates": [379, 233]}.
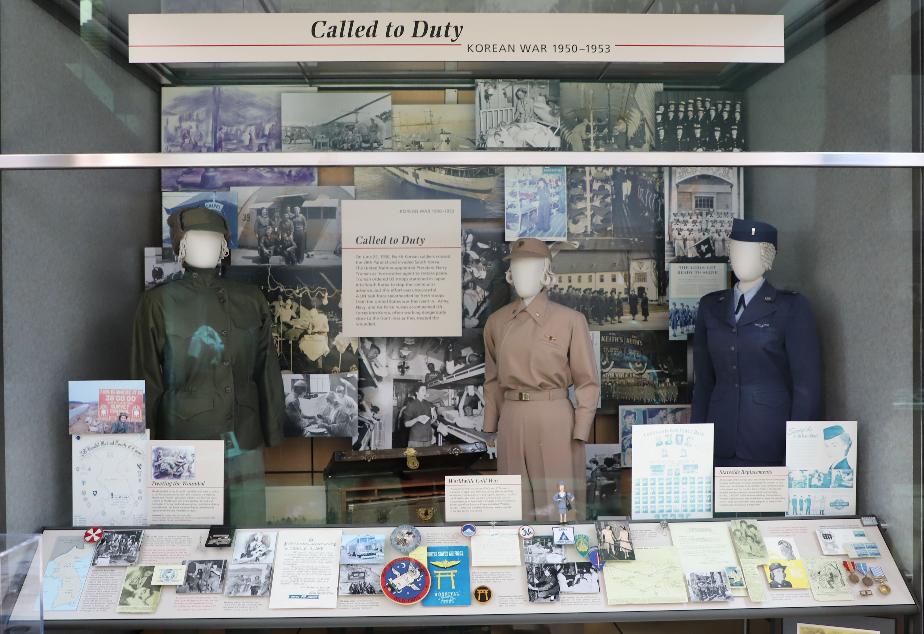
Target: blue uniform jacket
{"type": "Point", "coordinates": [754, 375]}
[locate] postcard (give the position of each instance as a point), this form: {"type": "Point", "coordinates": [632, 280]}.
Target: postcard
{"type": "Point", "coordinates": [495, 547]}
{"type": "Point", "coordinates": [614, 540]}
{"type": "Point", "coordinates": [203, 576]}
{"type": "Point", "coordinates": [708, 585]}
{"type": "Point", "coordinates": [787, 575]}
{"type": "Point", "coordinates": [833, 541]}
{"type": "Point", "coordinates": [748, 540]}
{"type": "Point", "coordinates": [822, 459]}
{"type": "Point", "coordinates": [362, 549]}
{"type": "Point", "coordinates": [139, 594]}
{"type": "Point", "coordinates": [169, 575]}
{"type": "Point", "coordinates": [827, 580]}
{"type": "Point", "coordinates": [358, 579]}
{"type": "Point", "coordinates": [105, 407]}
{"type": "Point", "coordinates": [249, 580]}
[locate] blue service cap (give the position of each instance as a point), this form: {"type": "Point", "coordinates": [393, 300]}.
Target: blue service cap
{"type": "Point", "coordinates": [833, 431]}
{"type": "Point", "coordinates": [753, 231]}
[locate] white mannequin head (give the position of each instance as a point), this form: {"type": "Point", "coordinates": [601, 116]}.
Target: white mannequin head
{"type": "Point", "coordinates": [750, 260]}
{"type": "Point", "coordinates": [202, 249]}
{"type": "Point", "coordinates": [529, 276]}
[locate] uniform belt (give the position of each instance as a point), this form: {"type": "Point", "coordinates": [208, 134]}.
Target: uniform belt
{"type": "Point", "coordinates": [536, 395]}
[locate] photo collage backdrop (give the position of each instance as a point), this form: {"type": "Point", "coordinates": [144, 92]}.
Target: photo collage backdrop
{"type": "Point", "coordinates": [616, 229]}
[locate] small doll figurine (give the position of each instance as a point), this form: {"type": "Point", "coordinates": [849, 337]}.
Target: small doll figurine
{"type": "Point", "coordinates": [563, 500]}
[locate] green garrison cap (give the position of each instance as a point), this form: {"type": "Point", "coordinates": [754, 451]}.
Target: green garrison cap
{"type": "Point", "coordinates": [196, 219]}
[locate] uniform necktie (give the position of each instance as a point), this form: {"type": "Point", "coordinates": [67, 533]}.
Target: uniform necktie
{"type": "Point", "coordinates": [740, 308]}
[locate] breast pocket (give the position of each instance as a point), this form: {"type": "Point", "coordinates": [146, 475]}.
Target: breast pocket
{"type": "Point", "coordinates": [766, 335]}
{"type": "Point", "coordinates": [245, 340]}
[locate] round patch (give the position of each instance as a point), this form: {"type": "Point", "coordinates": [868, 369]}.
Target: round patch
{"type": "Point", "coordinates": [482, 594]}
{"type": "Point", "coordinates": [405, 580]}
{"type": "Point", "coordinates": [93, 535]}
{"type": "Point", "coordinates": [468, 530]}
{"type": "Point", "coordinates": [526, 532]}
{"type": "Point", "coordinates": [596, 558]}
{"type": "Point", "coordinates": [582, 544]}
{"type": "Point", "coordinates": [405, 538]}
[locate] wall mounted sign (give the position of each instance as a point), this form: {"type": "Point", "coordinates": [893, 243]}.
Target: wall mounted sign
{"type": "Point", "coordinates": [454, 37]}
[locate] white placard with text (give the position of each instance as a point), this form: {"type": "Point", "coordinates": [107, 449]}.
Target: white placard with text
{"type": "Point", "coordinates": [751, 489]}
{"type": "Point", "coordinates": [497, 498]}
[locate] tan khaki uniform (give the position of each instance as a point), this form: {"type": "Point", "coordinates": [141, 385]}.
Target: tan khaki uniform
{"type": "Point", "coordinates": [532, 355]}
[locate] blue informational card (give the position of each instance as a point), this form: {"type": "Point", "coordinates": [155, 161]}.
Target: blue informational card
{"type": "Point", "coordinates": [449, 576]}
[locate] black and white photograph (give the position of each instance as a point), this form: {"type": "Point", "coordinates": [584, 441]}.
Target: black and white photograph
{"type": "Point", "coordinates": [294, 226]}
{"type": "Point", "coordinates": [536, 203]}
{"type": "Point", "coordinates": [699, 121]}
{"type": "Point", "coordinates": [195, 179]}
{"type": "Point", "coordinates": [360, 579]}
{"type": "Point", "coordinates": [748, 540]}
{"type": "Point", "coordinates": [203, 576]}
{"type": "Point", "coordinates": [374, 421]}
{"type": "Point", "coordinates": [542, 550]}
{"type": "Point", "coordinates": [307, 318]}
{"type": "Point", "coordinates": [480, 189]}
{"type": "Point", "coordinates": [336, 121]}
{"type": "Point", "coordinates": [542, 583]}
{"type": "Point", "coordinates": [615, 208]}
{"type": "Point", "coordinates": [484, 287]}
{"type": "Point", "coordinates": [254, 547]}
{"type": "Point", "coordinates": [173, 463]}
{"type": "Point", "coordinates": [631, 415]}
{"type": "Point", "coordinates": [159, 266]}
{"type": "Point", "coordinates": [643, 367]}
{"type": "Point", "coordinates": [578, 578]}
{"type": "Point", "coordinates": [118, 548]}
{"type": "Point", "coordinates": [601, 466]}
{"type": "Point", "coordinates": [433, 127]}
{"type": "Point", "coordinates": [362, 549]}
{"type": "Point", "coordinates": [249, 580]}
{"type": "Point", "coordinates": [709, 585]}
{"type": "Point", "coordinates": [139, 595]}
{"type": "Point", "coordinates": [321, 405]}
{"type": "Point", "coordinates": [513, 114]}
{"type": "Point", "coordinates": [614, 290]}
{"type": "Point", "coordinates": [611, 117]}
{"type": "Point", "coordinates": [438, 390]}
{"type": "Point", "coordinates": [700, 204]}
{"type": "Point", "coordinates": [614, 540]}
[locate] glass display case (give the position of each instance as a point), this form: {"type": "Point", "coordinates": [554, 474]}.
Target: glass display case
{"type": "Point", "coordinates": [612, 306]}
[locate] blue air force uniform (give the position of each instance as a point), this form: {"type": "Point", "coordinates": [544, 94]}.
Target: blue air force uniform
{"type": "Point", "coordinates": [757, 372]}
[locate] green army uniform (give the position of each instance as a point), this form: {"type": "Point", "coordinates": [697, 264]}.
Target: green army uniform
{"type": "Point", "coordinates": [203, 346]}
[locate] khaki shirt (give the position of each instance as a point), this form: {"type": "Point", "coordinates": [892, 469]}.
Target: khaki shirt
{"type": "Point", "coordinates": [543, 346]}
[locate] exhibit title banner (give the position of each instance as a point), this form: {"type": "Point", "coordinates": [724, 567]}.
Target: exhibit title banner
{"type": "Point", "coordinates": [454, 37]}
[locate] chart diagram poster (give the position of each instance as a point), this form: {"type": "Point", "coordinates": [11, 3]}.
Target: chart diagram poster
{"type": "Point", "coordinates": [402, 262]}
{"type": "Point", "coordinates": [672, 471]}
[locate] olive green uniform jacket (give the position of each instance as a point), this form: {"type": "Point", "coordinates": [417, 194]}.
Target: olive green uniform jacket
{"type": "Point", "coordinates": [203, 345]}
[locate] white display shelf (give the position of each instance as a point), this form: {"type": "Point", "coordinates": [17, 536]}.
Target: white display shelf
{"type": "Point", "coordinates": [471, 158]}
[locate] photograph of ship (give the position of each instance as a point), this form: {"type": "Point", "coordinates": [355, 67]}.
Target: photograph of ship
{"type": "Point", "coordinates": [180, 179]}
{"type": "Point", "coordinates": [441, 128]}
{"type": "Point", "coordinates": [481, 189]}
{"type": "Point", "coordinates": [613, 117]}
{"type": "Point", "coordinates": [298, 226]}
{"type": "Point", "coordinates": [349, 121]}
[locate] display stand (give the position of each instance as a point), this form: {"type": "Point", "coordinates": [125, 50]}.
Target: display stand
{"type": "Point", "coordinates": [508, 605]}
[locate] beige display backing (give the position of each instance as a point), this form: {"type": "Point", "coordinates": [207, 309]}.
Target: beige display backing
{"type": "Point", "coordinates": [508, 583]}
